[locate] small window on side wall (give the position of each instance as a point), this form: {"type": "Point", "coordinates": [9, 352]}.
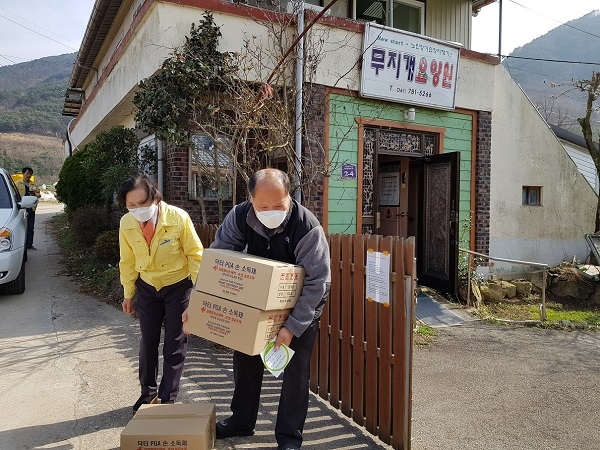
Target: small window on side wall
{"type": "Point", "coordinates": [532, 196]}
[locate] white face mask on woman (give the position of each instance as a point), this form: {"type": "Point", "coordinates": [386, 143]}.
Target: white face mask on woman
{"type": "Point", "coordinates": [143, 213]}
{"type": "Point", "coordinates": [271, 219]}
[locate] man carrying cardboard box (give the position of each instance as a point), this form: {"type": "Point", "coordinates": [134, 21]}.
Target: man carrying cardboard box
{"type": "Point", "coordinates": [273, 225]}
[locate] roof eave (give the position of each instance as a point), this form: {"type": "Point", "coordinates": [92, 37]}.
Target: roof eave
{"type": "Point", "coordinates": [98, 27]}
{"type": "Point", "coordinates": [478, 4]}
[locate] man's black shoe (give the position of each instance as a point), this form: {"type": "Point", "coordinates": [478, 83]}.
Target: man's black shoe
{"type": "Point", "coordinates": [145, 400]}
{"type": "Point", "coordinates": [31, 248]}
{"type": "Point", "coordinates": [226, 429]}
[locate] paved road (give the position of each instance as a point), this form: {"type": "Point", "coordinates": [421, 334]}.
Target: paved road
{"type": "Point", "coordinates": [490, 387]}
{"type": "Point", "coordinates": [68, 367]}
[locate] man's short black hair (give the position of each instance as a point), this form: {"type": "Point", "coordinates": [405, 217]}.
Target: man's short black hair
{"type": "Point", "coordinates": [27, 169]}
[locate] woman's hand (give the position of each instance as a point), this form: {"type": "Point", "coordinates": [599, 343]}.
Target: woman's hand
{"type": "Point", "coordinates": [127, 306]}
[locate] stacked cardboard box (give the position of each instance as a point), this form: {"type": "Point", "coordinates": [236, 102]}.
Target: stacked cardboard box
{"type": "Point", "coordinates": [240, 301]}
{"type": "Point", "coordinates": [171, 427]}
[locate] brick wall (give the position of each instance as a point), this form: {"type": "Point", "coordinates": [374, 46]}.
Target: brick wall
{"type": "Point", "coordinates": [176, 187]}
{"type": "Point", "coordinates": [313, 155]}
{"type": "Point", "coordinates": [483, 170]}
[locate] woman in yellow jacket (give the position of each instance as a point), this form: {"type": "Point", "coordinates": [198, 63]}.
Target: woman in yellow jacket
{"type": "Point", "coordinates": [160, 257]}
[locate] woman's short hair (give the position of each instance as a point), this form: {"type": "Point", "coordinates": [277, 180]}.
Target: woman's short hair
{"type": "Point", "coordinates": [138, 181]}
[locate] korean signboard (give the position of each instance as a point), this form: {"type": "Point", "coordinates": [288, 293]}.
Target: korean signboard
{"type": "Point", "coordinates": [408, 68]}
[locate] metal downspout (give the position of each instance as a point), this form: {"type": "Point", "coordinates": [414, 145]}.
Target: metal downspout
{"type": "Point", "coordinates": [159, 164]}
{"type": "Point", "coordinates": [69, 140]}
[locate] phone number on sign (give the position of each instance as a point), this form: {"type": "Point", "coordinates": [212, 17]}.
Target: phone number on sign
{"type": "Point", "coordinates": [411, 91]}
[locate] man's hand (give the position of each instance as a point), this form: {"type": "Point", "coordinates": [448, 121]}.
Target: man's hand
{"type": "Point", "coordinates": [127, 306]}
{"type": "Point", "coordinates": [184, 318]}
{"type": "Point", "coordinates": [283, 337]}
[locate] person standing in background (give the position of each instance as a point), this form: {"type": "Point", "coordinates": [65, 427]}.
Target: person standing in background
{"type": "Point", "coordinates": [26, 187]}
{"type": "Point", "coordinates": [160, 258]}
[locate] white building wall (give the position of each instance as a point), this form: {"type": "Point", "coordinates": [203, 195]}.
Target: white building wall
{"type": "Point", "coordinates": [525, 152]}
{"type": "Point", "coordinates": [164, 28]}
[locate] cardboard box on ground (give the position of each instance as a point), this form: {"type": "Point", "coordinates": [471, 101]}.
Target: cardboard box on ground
{"type": "Point", "coordinates": [171, 427]}
{"type": "Point", "coordinates": [241, 301]}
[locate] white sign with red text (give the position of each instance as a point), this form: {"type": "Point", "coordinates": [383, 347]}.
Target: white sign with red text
{"type": "Point", "coordinates": [408, 68]}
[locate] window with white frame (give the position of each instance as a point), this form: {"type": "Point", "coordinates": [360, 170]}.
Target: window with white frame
{"type": "Point", "coordinates": [147, 156]}
{"type": "Point", "coordinates": [407, 15]}
{"type": "Point", "coordinates": [211, 168]}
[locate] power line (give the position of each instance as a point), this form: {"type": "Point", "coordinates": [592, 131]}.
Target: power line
{"type": "Point", "coordinates": [555, 20]}
{"type": "Point", "coordinates": [538, 73]}
{"type": "Point", "coordinates": [37, 32]}
{"type": "Point", "coordinates": [551, 60]}
{"type": "Point", "coordinates": [14, 62]}
{"type": "Point", "coordinates": [17, 57]}
{"type": "Point", "coordinates": [38, 26]}
{"type": "Point", "coordinates": [8, 59]}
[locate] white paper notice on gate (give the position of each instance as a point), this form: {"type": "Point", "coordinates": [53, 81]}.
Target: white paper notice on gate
{"type": "Point", "coordinates": [378, 277]}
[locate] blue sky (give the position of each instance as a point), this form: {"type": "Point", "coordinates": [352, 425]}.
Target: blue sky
{"type": "Point", "coordinates": [31, 29]}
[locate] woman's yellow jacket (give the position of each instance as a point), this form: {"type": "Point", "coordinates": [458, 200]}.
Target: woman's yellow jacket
{"type": "Point", "coordinates": [174, 253]}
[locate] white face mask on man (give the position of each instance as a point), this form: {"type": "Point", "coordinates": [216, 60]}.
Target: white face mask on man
{"type": "Point", "coordinates": [271, 219]}
{"type": "Point", "coordinates": [143, 213]}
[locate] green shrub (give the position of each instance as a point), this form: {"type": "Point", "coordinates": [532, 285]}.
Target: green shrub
{"type": "Point", "coordinates": [87, 222]}
{"type": "Point", "coordinates": [76, 187]}
{"type": "Point", "coordinates": [113, 157]}
{"type": "Point", "coordinates": [92, 175]}
{"type": "Point", "coordinates": [107, 246]}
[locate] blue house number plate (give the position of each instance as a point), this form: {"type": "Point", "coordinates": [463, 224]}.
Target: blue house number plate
{"type": "Point", "coordinates": [348, 171]}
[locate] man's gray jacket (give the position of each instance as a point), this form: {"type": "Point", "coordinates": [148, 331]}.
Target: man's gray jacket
{"type": "Point", "coordinates": [300, 240]}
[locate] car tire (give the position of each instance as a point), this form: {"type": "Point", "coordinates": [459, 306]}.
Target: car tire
{"type": "Point", "coordinates": [16, 286]}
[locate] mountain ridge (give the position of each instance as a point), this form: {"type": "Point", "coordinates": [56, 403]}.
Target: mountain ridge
{"type": "Point", "coordinates": [540, 68]}
{"type": "Point", "coordinates": [32, 95]}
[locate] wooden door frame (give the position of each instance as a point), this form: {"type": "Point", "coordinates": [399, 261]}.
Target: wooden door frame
{"type": "Point", "coordinates": [400, 126]}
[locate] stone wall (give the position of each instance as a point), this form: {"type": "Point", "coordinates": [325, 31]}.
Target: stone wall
{"type": "Point", "coordinates": [483, 169]}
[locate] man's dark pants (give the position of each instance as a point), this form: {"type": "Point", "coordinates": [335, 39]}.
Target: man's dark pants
{"type": "Point", "coordinates": [293, 403]}
{"type": "Point", "coordinates": [153, 308]}
{"type": "Point", "coordinates": [30, 226]}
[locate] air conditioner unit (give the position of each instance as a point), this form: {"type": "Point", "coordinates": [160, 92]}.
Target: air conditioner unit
{"type": "Point", "coordinates": [291, 5]}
